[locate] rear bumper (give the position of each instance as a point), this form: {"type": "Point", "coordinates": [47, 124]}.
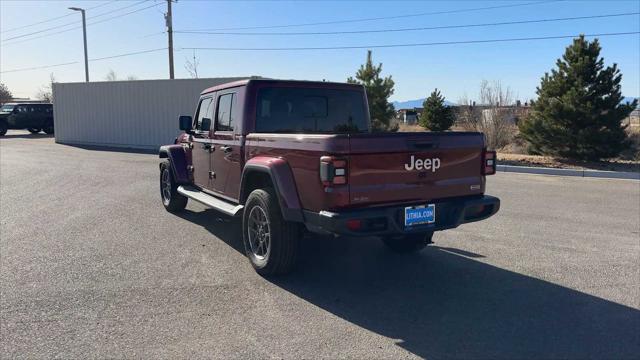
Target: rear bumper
{"type": "Point", "coordinates": [450, 213]}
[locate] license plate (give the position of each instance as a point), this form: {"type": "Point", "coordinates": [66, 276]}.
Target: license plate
{"type": "Point", "coordinates": [415, 215]}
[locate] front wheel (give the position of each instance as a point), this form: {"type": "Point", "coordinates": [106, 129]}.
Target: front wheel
{"type": "Point", "coordinates": [407, 243]}
{"type": "Point", "coordinates": [270, 242]}
{"type": "Point", "coordinates": [172, 200]}
{"type": "Point", "coordinates": [33, 130]}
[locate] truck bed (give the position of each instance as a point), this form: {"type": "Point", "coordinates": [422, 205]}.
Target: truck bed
{"type": "Point", "coordinates": [376, 173]}
{"type": "Point", "coordinates": [405, 167]}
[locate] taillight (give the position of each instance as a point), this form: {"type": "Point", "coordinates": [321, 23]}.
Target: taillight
{"type": "Point", "coordinates": [333, 171]}
{"type": "Point", "coordinates": [488, 162]}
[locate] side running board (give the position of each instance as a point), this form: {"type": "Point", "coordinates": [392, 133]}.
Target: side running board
{"type": "Point", "coordinates": [210, 201]}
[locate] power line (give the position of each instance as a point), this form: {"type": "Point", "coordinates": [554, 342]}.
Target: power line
{"type": "Point", "coordinates": [383, 17]}
{"type": "Point", "coordinates": [76, 62]}
{"type": "Point", "coordinates": [38, 67]}
{"type": "Point", "coordinates": [129, 54]}
{"type": "Point", "coordinates": [78, 27]}
{"type": "Point", "coordinates": [53, 19]}
{"type": "Point", "coordinates": [195, 32]}
{"type": "Point", "coordinates": [125, 14]}
{"type": "Point", "coordinates": [409, 45]}
{"type": "Point", "coordinates": [71, 23]}
{"type": "Point", "coordinates": [337, 47]}
{"type": "Point", "coordinates": [154, 34]}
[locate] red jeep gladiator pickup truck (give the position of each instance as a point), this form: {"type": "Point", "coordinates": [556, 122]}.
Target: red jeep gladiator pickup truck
{"type": "Point", "coordinates": [290, 155]}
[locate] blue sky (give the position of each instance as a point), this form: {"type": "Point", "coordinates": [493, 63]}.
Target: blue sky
{"type": "Point", "coordinates": [455, 69]}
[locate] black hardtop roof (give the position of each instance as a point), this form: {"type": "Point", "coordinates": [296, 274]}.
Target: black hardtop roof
{"type": "Point", "coordinates": [278, 81]}
{"type": "Point", "coordinates": [27, 103]}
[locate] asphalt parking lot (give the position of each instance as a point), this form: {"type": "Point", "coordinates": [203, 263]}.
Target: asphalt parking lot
{"type": "Point", "coordinates": [91, 265]}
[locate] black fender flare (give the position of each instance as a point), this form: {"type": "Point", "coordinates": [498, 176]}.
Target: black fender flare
{"type": "Point", "coordinates": [178, 160]}
{"type": "Point", "coordinates": [283, 182]}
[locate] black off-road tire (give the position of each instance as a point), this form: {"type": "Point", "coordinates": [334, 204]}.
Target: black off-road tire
{"type": "Point", "coordinates": [284, 235]}
{"type": "Point", "coordinates": [172, 200]}
{"type": "Point", "coordinates": [3, 128]}
{"type": "Point", "coordinates": [33, 131]}
{"type": "Point", "coordinates": [408, 243]}
{"type": "Point", "coordinates": [48, 128]}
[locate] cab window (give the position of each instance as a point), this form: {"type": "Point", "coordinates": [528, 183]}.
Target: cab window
{"type": "Point", "coordinates": [204, 111]}
{"type": "Point", "coordinates": [310, 110]}
{"type": "Point", "coordinates": [225, 114]}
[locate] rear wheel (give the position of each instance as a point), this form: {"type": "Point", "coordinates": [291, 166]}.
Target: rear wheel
{"type": "Point", "coordinates": [3, 128]}
{"type": "Point", "coordinates": [48, 128]}
{"type": "Point", "coordinates": [34, 130]}
{"type": "Point", "coordinates": [407, 243]}
{"type": "Point", "coordinates": [270, 242]}
{"type": "Point", "coordinates": [172, 200]}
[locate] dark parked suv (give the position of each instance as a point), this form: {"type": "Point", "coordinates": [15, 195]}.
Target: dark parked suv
{"type": "Point", "coordinates": [34, 117]}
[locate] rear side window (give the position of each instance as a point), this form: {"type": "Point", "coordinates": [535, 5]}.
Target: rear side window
{"type": "Point", "coordinates": [225, 114]}
{"type": "Point", "coordinates": [300, 110]}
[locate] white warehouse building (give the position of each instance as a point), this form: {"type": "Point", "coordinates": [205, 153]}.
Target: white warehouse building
{"type": "Point", "coordinates": [139, 114]}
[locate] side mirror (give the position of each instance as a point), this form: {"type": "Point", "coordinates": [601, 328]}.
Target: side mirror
{"type": "Point", "coordinates": [206, 124]}
{"type": "Point", "coordinates": [186, 123]}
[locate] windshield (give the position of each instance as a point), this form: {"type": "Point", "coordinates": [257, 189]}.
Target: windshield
{"type": "Point", "coordinates": [300, 110]}
{"type": "Point", "coordinates": [7, 108]}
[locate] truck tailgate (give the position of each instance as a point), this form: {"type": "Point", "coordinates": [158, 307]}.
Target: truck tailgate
{"type": "Point", "coordinates": [406, 167]}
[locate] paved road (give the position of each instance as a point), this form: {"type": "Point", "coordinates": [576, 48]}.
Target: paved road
{"type": "Point", "coordinates": [92, 266]}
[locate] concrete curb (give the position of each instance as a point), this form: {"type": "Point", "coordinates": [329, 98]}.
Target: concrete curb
{"type": "Point", "coordinates": [569, 172]}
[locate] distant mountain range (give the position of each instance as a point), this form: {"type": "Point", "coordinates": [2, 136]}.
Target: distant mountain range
{"type": "Point", "coordinates": [410, 104]}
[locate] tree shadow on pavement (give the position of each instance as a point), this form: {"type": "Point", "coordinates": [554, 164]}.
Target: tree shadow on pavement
{"type": "Point", "coordinates": [445, 303]}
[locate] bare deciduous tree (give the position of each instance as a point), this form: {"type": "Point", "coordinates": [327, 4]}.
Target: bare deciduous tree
{"type": "Point", "coordinates": [494, 115]}
{"type": "Point", "coordinates": [111, 76]}
{"type": "Point", "coordinates": [498, 121]}
{"type": "Point", "coordinates": [192, 66]}
{"type": "Point", "coordinates": [5, 94]}
{"type": "Point", "coordinates": [468, 114]}
{"type": "Point", "coordinates": [46, 91]}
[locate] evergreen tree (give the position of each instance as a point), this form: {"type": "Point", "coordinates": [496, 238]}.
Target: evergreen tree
{"type": "Point", "coordinates": [578, 113]}
{"type": "Point", "coordinates": [436, 116]}
{"type": "Point", "coordinates": [378, 92]}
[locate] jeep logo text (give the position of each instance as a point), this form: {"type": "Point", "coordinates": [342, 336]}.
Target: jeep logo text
{"type": "Point", "coordinates": [426, 164]}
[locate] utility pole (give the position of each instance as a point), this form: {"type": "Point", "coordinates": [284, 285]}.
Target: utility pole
{"type": "Point", "coordinates": [169, 22]}
{"type": "Point", "coordinates": [84, 34]}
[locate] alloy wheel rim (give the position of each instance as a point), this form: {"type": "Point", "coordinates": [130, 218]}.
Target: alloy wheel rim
{"type": "Point", "coordinates": [259, 233]}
